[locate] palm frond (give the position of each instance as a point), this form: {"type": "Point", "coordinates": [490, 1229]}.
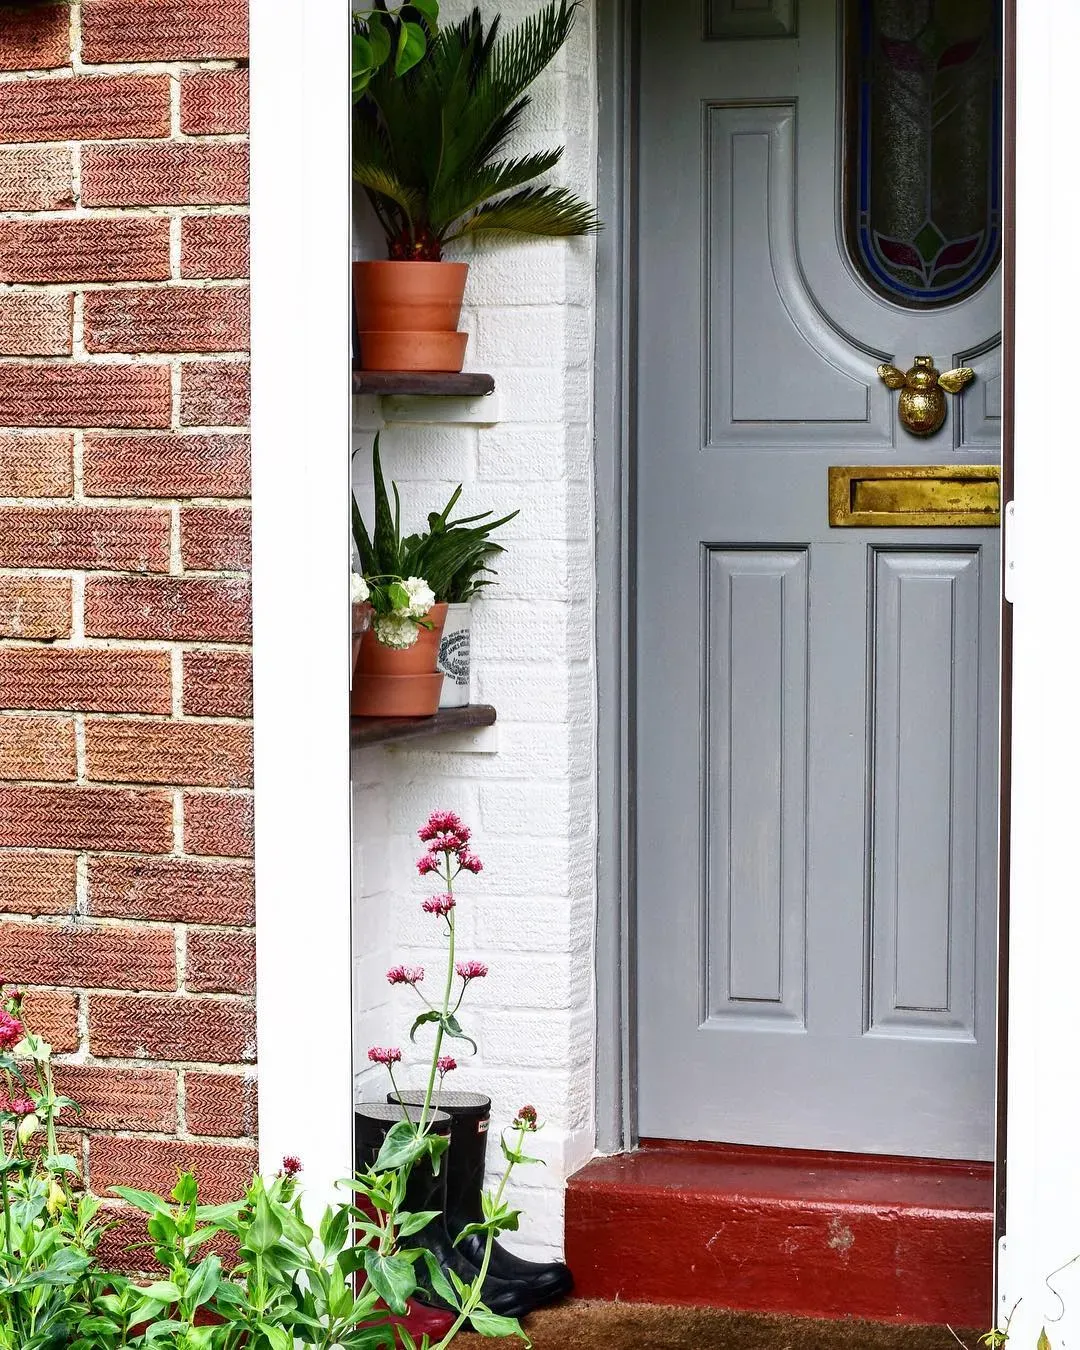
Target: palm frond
{"type": "Point", "coordinates": [384, 183]}
{"type": "Point", "coordinates": [548, 212]}
{"type": "Point", "coordinates": [465, 193]}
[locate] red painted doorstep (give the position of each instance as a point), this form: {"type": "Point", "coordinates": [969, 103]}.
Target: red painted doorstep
{"type": "Point", "coordinates": [761, 1230]}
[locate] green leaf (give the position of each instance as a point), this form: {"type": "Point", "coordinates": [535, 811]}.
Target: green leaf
{"type": "Point", "coordinates": [277, 1337]}
{"type": "Point", "coordinates": [412, 44]}
{"type": "Point", "coordinates": [401, 1146]}
{"type": "Point", "coordinates": [391, 1277]}
{"type": "Point", "coordinates": [380, 40]}
{"type": "Point", "coordinates": [186, 1189]}
{"type": "Point", "coordinates": [334, 1230]}
{"type": "Point", "coordinates": [144, 1200]}
{"type": "Point", "coordinates": [408, 1224]}
{"type": "Point", "coordinates": [439, 1282]}
{"type": "Point", "coordinates": [265, 1228]}
{"type": "Point", "coordinates": [204, 1282]}
{"type": "Point", "coordinates": [62, 1162]}
{"type": "Point", "coordinates": [491, 1324]}
{"type": "Point", "coordinates": [1043, 1341]}
{"type": "Point", "coordinates": [428, 8]}
{"type": "Point", "coordinates": [422, 1020]}
{"type": "Point", "coordinates": [162, 1291]}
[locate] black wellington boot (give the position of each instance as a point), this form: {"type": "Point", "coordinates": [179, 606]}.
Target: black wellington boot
{"type": "Point", "coordinates": [470, 1113]}
{"type": "Point", "coordinates": [426, 1191]}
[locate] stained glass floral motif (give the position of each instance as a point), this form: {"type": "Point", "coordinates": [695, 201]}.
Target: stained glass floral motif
{"type": "Point", "coordinates": [924, 197]}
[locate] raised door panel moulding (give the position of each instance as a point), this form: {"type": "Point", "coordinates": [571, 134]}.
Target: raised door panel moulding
{"type": "Point", "coordinates": [754, 776]}
{"type": "Point", "coordinates": [778, 372]}
{"type": "Point", "coordinates": [925, 711]}
{"type": "Point", "coordinates": [978, 410]}
{"type": "Point", "coordinates": [751, 18]}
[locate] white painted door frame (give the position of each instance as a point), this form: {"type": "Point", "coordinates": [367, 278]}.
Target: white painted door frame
{"type": "Point", "coordinates": [300, 419]}
{"type": "Point", "coordinates": [1042, 1227]}
{"type": "Point", "coordinates": [300, 343]}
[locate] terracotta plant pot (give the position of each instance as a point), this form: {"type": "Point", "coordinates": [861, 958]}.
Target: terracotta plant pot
{"type": "Point", "coordinates": [392, 682]}
{"type": "Point", "coordinates": [409, 297]}
{"type": "Point", "coordinates": [412, 351]}
{"type": "Point", "coordinates": [412, 302]}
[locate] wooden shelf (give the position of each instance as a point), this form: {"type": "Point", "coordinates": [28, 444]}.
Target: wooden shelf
{"type": "Point", "coordinates": [463, 384]}
{"type": "Point", "coordinates": [381, 730]}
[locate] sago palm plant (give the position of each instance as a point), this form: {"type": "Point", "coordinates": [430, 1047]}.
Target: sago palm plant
{"type": "Point", "coordinates": [429, 146]}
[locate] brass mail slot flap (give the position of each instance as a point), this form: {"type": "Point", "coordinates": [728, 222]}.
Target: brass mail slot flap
{"type": "Point", "coordinates": [894, 495]}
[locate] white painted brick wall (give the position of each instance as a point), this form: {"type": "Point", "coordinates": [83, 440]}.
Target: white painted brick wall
{"type": "Point", "coordinates": [530, 915]}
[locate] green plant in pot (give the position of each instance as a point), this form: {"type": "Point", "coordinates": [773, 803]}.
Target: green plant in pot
{"type": "Point", "coordinates": [429, 150]}
{"type": "Point", "coordinates": [443, 567]}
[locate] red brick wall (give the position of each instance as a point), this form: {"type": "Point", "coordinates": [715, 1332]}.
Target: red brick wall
{"type": "Point", "coordinates": [126, 890]}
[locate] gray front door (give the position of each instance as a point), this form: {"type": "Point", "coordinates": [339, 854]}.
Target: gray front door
{"type": "Point", "coordinates": [816, 752]}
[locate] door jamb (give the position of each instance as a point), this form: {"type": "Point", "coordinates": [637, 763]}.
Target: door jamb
{"type": "Point", "coordinates": [615, 429]}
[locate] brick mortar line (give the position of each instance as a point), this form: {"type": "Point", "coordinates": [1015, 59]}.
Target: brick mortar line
{"type": "Point", "coordinates": [165, 138]}
{"type": "Point", "coordinates": [108, 715]}
{"type": "Point", "coordinates": [154, 211]}
{"type": "Point", "coordinates": [128, 922]}
{"type": "Point", "coordinates": [157, 645]}
{"type": "Point", "coordinates": [139, 358]}
{"type": "Point", "coordinates": [81, 288]}
{"type": "Point", "coordinates": [185, 67]}
{"type": "Point", "coordinates": [159, 504]}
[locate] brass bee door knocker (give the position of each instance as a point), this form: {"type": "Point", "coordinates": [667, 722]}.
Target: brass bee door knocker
{"type": "Point", "coordinates": [922, 404]}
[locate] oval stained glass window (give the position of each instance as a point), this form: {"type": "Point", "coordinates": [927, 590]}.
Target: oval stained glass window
{"type": "Point", "coordinates": [924, 146]}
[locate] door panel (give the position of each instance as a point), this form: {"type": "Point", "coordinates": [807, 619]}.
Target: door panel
{"type": "Point", "coordinates": [816, 743]}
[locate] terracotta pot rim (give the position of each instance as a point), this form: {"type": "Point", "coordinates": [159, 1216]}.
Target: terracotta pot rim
{"type": "Point", "coordinates": [408, 262]}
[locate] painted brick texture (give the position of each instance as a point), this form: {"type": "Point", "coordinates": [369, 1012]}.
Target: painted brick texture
{"type": "Point", "coordinates": [126, 886]}
{"type": "Point", "coordinates": [530, 915]}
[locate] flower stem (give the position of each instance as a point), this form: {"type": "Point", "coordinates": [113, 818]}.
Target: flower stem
{"type": "Point", "coordinates": [448, 992]}
{"type": "Point", "coordinates": [477, 1289]}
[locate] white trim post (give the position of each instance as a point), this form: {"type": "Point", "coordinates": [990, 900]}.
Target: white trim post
{"type": "Point", "coordinates": [1043, 1156]}
{"type": "Point", "coordinates": [300, 128]}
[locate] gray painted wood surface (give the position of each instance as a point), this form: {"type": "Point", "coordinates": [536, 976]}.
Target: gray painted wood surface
{"type": "Point", "coordinates": [816, 709]}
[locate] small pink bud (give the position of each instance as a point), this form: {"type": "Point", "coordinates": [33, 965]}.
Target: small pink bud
{"type": "Point", "coordinates": [405, 974]}
{"type": "Point", "coordinates": [438, 904]}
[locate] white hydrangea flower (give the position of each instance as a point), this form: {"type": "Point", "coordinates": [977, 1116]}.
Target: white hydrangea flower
{"type": "Point", "coordinates": [396, 630]}
{"type": "Point", "coordinates": [359, 589]}
{"type": "Point", "coordinates": [421, 597]}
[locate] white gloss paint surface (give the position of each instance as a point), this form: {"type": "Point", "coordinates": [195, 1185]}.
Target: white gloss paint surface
{"type": "Point", "coordinates": [300, 124]}
{"type": "Point", "coordinates": [1043, 1199]}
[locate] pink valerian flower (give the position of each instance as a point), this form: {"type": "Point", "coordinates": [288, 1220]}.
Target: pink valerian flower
{"type": "Point", "coordinates": [445, 1064]}
{"type": "Point", "coordinates": [443, 823]}
{"type": "Point", "coordinates": [471, 970]}
{"type": "Point", "coordinates": [439, 904]}
{"type": "Point", "coordinates": [291, 1167]}
{"type": "Point", "coordinates": [526, 1119]}
{"type": "Point", "coordinates": [21, 1106]}
{"type": "Point", "coordinates": [469, 862]}
{"type": "Point", "coordinates": [11, 1030]}
{"type": "Point", "coordinates": [405, 974]}
{"type": "Point", "coordinates": [448, 843]}
{"type": "Point", "coordinates": [13, 999]}
{"type": "Point", "coordinates": [387, 1055]}
{"type": "Point", "coordinates": [428, 863]}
